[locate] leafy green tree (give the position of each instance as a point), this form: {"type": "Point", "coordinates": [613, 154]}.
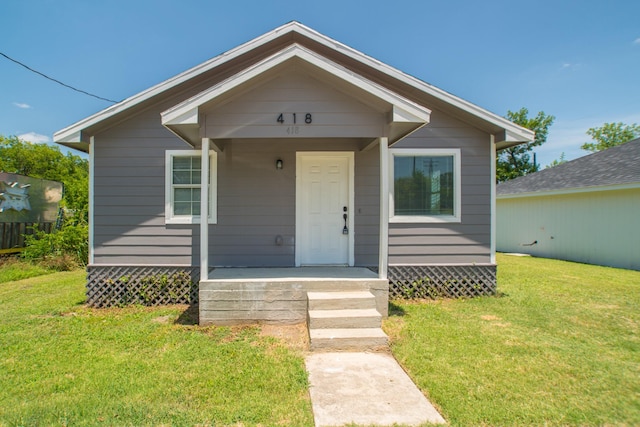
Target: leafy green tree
{"type": "Point", "coordinates": [557, 161]}
{"type": "Point", "coordinates": [517, 161]}
{"type": "Point", "coordinates": [47, 162]}
{"type": "Point", "coordinates": [609, 135]}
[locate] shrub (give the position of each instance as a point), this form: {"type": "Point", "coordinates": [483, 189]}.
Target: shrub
{"type": "Point", "coordinates": [64, 249]}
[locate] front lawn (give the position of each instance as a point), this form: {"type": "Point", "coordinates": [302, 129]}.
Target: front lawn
{"type": "Point", "coordinates": [64, 364]}
{"type": "Point", "coordinates": [559, 346]}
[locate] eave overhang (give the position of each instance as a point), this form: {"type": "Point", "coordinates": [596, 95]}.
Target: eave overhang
{"type": "Point", "coordinates": [512, 135]}
{"type": "Point", "coordinates": [569, 190]}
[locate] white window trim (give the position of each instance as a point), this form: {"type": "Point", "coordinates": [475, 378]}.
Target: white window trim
{"type": "Point", "coordinates": [457, 185]}
{"type": "Point", "coordinates": [168, 185]}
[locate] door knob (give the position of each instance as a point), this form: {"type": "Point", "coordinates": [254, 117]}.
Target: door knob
{"type": "Point", "coordinates": [345, 229]}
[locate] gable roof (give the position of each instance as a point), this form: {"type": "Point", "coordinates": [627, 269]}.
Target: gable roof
{"type": "Point", "coordinates": [613, 168]}
{"type": "Point", "coordinates": [405, 116]}
{"type": "Point", "coordinates": [506, 132]}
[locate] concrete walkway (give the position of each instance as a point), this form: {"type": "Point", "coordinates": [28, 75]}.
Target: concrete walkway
{"type": "Point", "coordinates": [365, 389]}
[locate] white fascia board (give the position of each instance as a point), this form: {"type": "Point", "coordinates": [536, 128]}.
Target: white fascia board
{"type": "Point", "coordinates": [407, 110]}
{"type": "Point", "coordinates": [565, 191]}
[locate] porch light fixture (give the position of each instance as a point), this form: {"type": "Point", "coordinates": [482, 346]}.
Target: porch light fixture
{"type": "Point", "coordinates": [279, 164]}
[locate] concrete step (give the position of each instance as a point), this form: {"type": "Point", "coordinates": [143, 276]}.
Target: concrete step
{"type": "Point", "coordinates": [344, 319]}
{"type": "Point", "coordinates": [340, 300]}
{"type": "Point", "coordinates": [358, 339]}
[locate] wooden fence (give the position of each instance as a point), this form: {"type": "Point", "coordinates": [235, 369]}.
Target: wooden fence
{"type": "Point", "coordinates": [12, 234]}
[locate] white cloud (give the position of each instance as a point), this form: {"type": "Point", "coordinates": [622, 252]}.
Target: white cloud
{"type": "Point", "coordinates": [570, 66]}
{"type": "Point", "coordinates": [637, 41]}
{"type": "Point", "coordinates": [22, 105]}
{"type": "Point", "coordinates": [36, 138]}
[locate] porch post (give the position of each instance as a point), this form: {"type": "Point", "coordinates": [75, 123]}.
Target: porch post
{"type": "Point", "coordinates": [383, 261]}
{"type": "Point", "coordinates": [204, 210]}
{"type": "Point", "coordinates": [492, 141]}
{"type": "Point", "coordinates": [91, 205]}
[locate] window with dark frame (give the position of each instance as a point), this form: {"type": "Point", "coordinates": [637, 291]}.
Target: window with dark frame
{"type": "Point", "coordinates": [186, 171]}
{"type": "Point", "coordinates": [424, 185]}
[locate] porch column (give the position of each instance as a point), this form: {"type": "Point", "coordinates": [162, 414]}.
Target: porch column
{"type": "Point", "coordinates": [204, 210]}
{"type": "Point", "coordinates": [383, 261]}
{"type": "Point", "coordinates": [91, 206]}
{"type": "Point", "coordinates": [492, 141]}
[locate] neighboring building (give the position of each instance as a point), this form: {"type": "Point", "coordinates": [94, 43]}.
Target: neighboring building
{"type": "Point", "coordinates": [26, 204]}
{"type": "Point", "coordinates": [318, 155]}
{"type": "Point", "coordinates": [585, 210]}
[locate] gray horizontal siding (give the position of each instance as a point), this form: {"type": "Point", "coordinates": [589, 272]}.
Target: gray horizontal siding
{"type": "Point", "coordinates": [256, 202]}
{"type": "Point", "coordinates": [367, 207]}
{"type": "Point", "coordinates": [439, 259]}
{"type": "Point", "coordinates": [129, 180]}
{"type": "Point", "coordinates": [451, 243]}
{"type": "Point", "coordinates": [143, 259]}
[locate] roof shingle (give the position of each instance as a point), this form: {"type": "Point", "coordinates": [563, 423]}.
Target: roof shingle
{"type": "Point", "coordinates": [614, 166]}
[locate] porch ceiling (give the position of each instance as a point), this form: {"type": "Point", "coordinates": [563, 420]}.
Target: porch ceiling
{"type": "Point", "coordinates": [402, 115]}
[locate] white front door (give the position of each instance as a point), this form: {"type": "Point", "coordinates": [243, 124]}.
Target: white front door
{"type": "Point", "coordinates": [324, 196]}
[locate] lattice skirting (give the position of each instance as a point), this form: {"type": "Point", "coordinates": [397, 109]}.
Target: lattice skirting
{"type": "Point", "coordinates": [441, 281]}
{"type": "Point", "coordinates": [109, 286]}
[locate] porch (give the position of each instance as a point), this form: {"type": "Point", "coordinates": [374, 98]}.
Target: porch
{"type": "Point", "coordinates": [279, 295]}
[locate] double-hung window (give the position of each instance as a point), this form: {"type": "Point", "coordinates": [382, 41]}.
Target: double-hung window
{"type": "Point", "coordinates": [183, 187]}
{"type": "Point", "coordinates": [425, 185]}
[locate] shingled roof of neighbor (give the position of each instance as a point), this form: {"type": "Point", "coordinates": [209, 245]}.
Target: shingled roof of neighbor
{"type": "Point", "coordinates": [614, 166]}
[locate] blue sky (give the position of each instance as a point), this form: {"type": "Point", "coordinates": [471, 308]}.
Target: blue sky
{"type": "Point", "coordinates": [576, 60]}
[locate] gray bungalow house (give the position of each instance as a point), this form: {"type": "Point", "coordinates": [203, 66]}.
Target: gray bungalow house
{"type": "Point", "coordinates": [290, 164]}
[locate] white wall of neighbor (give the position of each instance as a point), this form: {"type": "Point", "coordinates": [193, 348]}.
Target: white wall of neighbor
{"type": "Point", "coordinates": [598, 227]}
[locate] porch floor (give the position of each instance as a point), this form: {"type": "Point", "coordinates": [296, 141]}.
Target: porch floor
{"type": "Point", "coordinates": [231, 274]}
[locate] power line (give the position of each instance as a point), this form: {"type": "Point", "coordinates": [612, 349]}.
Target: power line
{"type": "Point", "coordinates": [57, 81]}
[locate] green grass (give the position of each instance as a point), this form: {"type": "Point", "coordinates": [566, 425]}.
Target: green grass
{"type": "Point", "coordinates": [12, 269]}
{"type": "Point", "coordinates": [64, 364]}
{"type": "Point", "coordinates": [560, 346]}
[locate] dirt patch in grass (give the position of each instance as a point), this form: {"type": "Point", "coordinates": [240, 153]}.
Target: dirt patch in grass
{"type": "Point", "coordinates": [293, 336]}
{"type": "Point", "coordinates": [162, 319]}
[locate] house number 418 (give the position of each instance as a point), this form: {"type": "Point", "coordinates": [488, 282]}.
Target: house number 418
{"type": "Point", "coordinates": [281, 118]}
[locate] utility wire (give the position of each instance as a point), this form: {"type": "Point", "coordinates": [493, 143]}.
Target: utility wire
{"type": "Point", "coordinates": [57, 81]}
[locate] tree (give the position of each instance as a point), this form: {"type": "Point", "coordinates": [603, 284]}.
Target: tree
{"type": "Point", "coordinates": [558, 161]}
{"type": "Point", "coordinates": [48, 162]}
{"type": "Point", "coordinates": [517, 161]}
{"type": "Point", "coordinates": [609, 135]}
